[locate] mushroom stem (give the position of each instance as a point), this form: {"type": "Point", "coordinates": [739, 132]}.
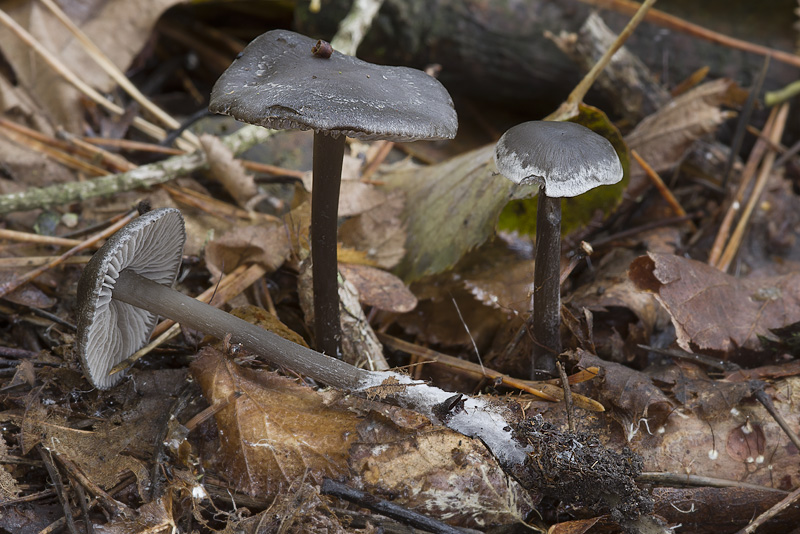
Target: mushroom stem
{"type": "Point", "coordinates": [328, 155]}
{"type": "Point", "coordinates": [546, 288]}
{"type": "Point", "coordinates": [141, 292]}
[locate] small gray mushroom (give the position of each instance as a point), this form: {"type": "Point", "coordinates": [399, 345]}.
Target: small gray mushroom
{"type": "Point", "coordinates": [280, 82]}
{"type": "Point", "coordinates": [564, 159]}
{"type": "Point", "coordinates": [126, 286]}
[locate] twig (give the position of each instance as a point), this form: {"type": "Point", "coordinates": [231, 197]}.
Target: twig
{"type": "Point", "coordinates": [744, 119]}
{"type": "Point", "coordinates": [10, 131]}
{"type": "Point", "coordinates": [63, 71]}
{"type": "Point", "coordinates": [111, 69]}
{"type": "Point", "coordinates": [624, 234]}
{"type": "Point", "coordinates": [761, 183]}
{"type": "Point", "coordinates": [10, 286]}
{"type": "Point", "coordinates": [384, 147]}
{"type": "Point", "coordinates": [570, 106]}
{"type": "Point", "coordinates": [787, 501]}
{"type": "Point", "coordinates": [354, 26]}
{"type": "Point", "coordinates": [73, 469]}
{"type": "Point", "coordinates": [683, 479]}
{"type": "Point", "coordinates": [388, 509]}
{"type": "Point", "coordinates": [567, 396]}
{"type": "Point", "coordinates": [127, 144]}
{"type": "Point", "coordinates": [55, 477]}
{"type": "Point", "coordinates": [543, 390]}
{"type": "Point", "coordinates": [672, 22]}
{"type": "Point", "coordinates": [27, 237]}
{"type": "Point", "coordinates": [144, 176]}
{"type": "Point", "coordinates": [663, 190]}
{"type": "Point", "coordinates": [757, 386]}
{"type": "Point", "coordinates": [735, 205]}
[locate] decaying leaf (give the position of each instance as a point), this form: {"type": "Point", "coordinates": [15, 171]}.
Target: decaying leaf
{"type": "Point", "coordinates": [228, 170]}
{"type": "Point", "coordinates": [634, 401]}
{"type": "Point", "coordinates": [663, 137]}
{"type": "Point", "coordinates": [276, 432]}
{"type": "Point", "coordinates": [8, 485]}
{"type": "Point", "coordinates": [264, 244]}
{"type": "Point", "coordinates": [451, 208]}
{"type": "Point", "coordinates": [379, 232]}
{"type": "Point", "coordinates": [715, 311]}
{"type": "Point", "coordinates": [57, 97]}
{"type": "Point", "coordinates": [113, 446]}
{"type": "Point", "coordinates": [623, 317]}
{"type": "Point", "coordinates": [436, 471]}
{"type": "Point", "coordinates": [379, 288]}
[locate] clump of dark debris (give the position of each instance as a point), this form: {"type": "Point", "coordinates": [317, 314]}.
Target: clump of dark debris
{"type": "Point", "coordinates": [577, 469]}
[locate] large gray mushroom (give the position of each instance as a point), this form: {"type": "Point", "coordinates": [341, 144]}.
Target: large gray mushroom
{"type": "Point", "coordinates": [564, 159]}
{"type": "Point", "coordinates": [284, 80]}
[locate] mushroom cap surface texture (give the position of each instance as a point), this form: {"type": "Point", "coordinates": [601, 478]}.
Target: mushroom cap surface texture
{"type": "Point", "coordinates": [568, 159]}
{"type": "Point", "coordinates": [110, 330]}
{"type": "Point", "coordinates": [276, 82]}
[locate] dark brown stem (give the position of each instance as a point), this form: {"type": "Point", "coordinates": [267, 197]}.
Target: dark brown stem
{"type": "Point", "coordinates": [328, 154]}
{"type": "Point", "coordinates": [546, 288]}
{"type": "Point", "coordinates": [143, 293]}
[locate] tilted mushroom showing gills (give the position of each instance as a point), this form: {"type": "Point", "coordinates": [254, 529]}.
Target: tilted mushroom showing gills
{"type": "Point", "coordinates": [126, 286]}
{"type": "Point", "coordinates": [279, 82]}
{"type": "Point", "coordinates": [109, 330]}
{"type": "Point", "coordinates": [565, 159]}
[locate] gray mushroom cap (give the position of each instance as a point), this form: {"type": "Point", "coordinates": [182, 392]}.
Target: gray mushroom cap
{"type": "Point", "coordinates": [277, 83]}
{"type": "Point", "coordinates": [568, 159]}
{"type": "Point", "coordinates": [110, 330]}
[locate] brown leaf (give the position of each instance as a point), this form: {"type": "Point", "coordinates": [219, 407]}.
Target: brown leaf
{"type": "Point", "coordinates": [436, 471]}
{"type": "Point", "coordinates": [379, 232]}
{"type": "Point", "coordinates": [26, 295]}
{"type": "Point", "coordinates": [712, 310]}
{"type": "Point", "coordinates": [114, 445]}
{"type": "Point", "coordinates": [265, 244]}
{"type": "Point", "coordinates": [573, 527]}
{"type": "Point", "coordinates": [663, 137]}
{"type": "Point", "coordinates": [118, 27]}
{"type": "Point", "coordinates": [636, 403]}
{"type": "Point", "coordinates": [379, 288]}
{"type": "Point", "coordinates": [276, 431]}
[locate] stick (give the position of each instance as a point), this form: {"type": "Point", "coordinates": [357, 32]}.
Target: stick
{"type": "Point", "coordinates": [111, 69]}
{"type": "Point", "coordinates": [10, 286]}
{"type": "Point", "coordinates": [144, 176]}
{"type": "Point", "coordinates": [758, 189]}
{"type": "Point", "coordinates": [570, 106]}
{"type": "Point", "coordinates": [674, 23]}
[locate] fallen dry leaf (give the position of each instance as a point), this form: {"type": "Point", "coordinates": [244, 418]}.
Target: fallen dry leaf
{"type": "Point", "coordinates": [118, 27]}
{"type": "Point", "coordinates": [276, 432]}
{"type": "Point", "coordinates": [115, 445]}
{"type": "Point", "coordinates": [379, 232]}
{"type": "Point", "coordinates": [663, 137]}
{"type": "Point", "coordinates": [451, 208]}
{"type": "Point", "coordinates": [378, 288]}
{"type": "Point", "coordinates": [436, 471]}
{"type": "Point", "coordinates": [715, 311]}
{"type": "Point", "coordinates": [266, 244]}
